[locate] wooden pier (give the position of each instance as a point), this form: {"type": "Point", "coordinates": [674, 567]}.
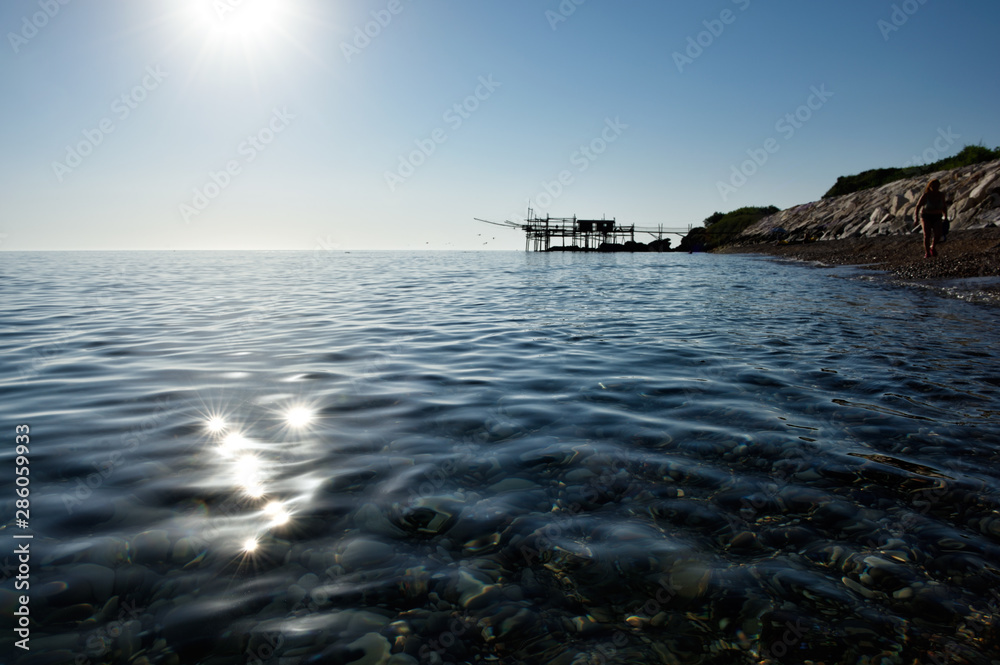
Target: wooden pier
{"type": "Point", "coordinates": [549, 234]}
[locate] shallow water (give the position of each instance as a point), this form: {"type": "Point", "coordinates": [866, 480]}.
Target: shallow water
{"type": "Point", "coordinates": [498, 457]}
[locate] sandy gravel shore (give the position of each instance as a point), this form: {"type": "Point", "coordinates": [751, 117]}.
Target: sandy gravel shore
{"type": "Point", "coordinates": [965, 254]}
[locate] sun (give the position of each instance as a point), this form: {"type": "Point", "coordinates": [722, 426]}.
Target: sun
{"type": "Point", "coordinates": [237, 20]}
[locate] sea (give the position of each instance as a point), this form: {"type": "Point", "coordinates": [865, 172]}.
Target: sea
{"type": "Point", "coordinates": [396, 458]}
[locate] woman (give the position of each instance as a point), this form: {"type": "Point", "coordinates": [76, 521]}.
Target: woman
{"type": "Point", "coordinates": [931, 210]}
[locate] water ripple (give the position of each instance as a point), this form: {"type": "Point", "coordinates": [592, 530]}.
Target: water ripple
{"type": "Point", "coordinates": [375, 457]}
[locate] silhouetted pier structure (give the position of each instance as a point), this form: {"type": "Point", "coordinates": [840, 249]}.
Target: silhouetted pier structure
{"type": "Point", "coordinates": [547, 234]}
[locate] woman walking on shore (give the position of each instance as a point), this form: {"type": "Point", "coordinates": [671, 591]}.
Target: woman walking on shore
{"type": "Point", "coordinates": [931, 211]}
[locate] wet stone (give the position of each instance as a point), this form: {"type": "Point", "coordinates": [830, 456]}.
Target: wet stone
{"type": "Point", "coordinates": [151, 547]}
{"type": "Point", "coordinates": [363, 553]}
{"type": "Point", "coordinates": [579, 475]}
{"type": "Point", "coordinates": [70, 614]}
{"type": "Point", "coordinates": [84, 583]}
{"type": "Point", "coordinates": [402, 659]}
{"type": "Point", "coordinates": [128, 640]}
{"type": "Point", "coordinates": [429, 517]}
{"type": "Point", "coordinates": [186, 550]}
{"type": "Point", "coordinates": [55, 657]}
{"type": "Point", "coordinates": [308, 581]}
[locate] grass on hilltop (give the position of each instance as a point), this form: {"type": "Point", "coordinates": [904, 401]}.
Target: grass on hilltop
{"type": "Point", "coordinates": [970, 154]}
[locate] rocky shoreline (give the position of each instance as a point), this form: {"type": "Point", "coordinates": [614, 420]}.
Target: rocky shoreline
{"type": "Point", "coordinates": [973, 194]}
{"type": "Point", "coordinates": [875, 229]}
{"type": "Point", "coordinates": [966, 254]}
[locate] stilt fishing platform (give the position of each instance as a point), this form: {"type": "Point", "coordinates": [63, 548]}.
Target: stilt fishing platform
{"type": "Point", "coordinates": [553, 234]}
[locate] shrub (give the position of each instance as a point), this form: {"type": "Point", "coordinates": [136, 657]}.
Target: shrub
{"type": "Point", "coordinates": [969, 155]}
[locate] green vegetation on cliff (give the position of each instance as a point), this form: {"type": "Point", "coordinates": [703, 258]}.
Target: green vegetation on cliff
{"type": "Point", "coordinates": [970, 154]}
{"type": "Point", "coordinates": [721, 227]}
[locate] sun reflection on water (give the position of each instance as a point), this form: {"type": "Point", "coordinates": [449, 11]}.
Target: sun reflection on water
{"type": "Point", "coordinates": [249, 459]}
{"type": "Point", "coordinates": [216, 424]}
{"type": "Point", "coordinates": [278, 514]}
{"type": "Point", "coordinates": [233, 443]}
{"type": "Point", "coordinates": [298, 417]}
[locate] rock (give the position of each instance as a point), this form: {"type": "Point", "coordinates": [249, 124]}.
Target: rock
{"type": "Point", "coordinates": [375, 647]}
{"type": "Point", "coordinates": [402, 659]}
{"type": "Point", "coordinates": [128, 640]}
{"type": "Point", "coordinates": [186, 550]}
{"type": "Point", "coordinates": [151, 547]}
{"type": "Point", "coordinates": [363, 553]}
{"type": "Point", "coordinates": [983, 186]}
{"type": "Point", "coordinates": [84, 583]}
{"type": "Point", "coordinates": [512, 485]}
{"type": "Point", "coordinates": [309, 581]}
{"type": "Point", "coordinates": [690, 579]}
{"type": "Point", "coordinates": [971, 190]}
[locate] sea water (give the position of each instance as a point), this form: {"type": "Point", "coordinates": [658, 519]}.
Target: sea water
{"type": "Point", "coordinates": [363, 457]}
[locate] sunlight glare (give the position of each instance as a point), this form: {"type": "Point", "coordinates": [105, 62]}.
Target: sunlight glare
{"type": "Point", "coordinates": [246, 468]}
{"type": "Point", "coordinates": [254, 490]}
{"type": "Point", "coordinates": [299, 417]}
{"type": "Point", "coordinates": [250, 545]}
{"type": "Point", "coordinates": [216, 424]}
{"type": "Point", "coordinates": [277, 513]}
{"type": "Point", "coordinates": [232, 444]}
{"type": "Point", "coordinates": [240, 19]}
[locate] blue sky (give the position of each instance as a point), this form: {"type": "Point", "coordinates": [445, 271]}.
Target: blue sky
{"type": "Point", "coordinates": [371, 124]}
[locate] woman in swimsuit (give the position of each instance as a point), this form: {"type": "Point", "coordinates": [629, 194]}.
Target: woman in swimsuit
{"type": "Point", "coordinates": [931, 210]}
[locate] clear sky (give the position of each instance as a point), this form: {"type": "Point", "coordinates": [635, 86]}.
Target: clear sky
{"type": "Point", "coordinates": [391, 124]}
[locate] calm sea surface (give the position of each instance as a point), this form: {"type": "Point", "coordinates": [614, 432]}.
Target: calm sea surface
{"type": "Point", "coordinates": [399, 458]}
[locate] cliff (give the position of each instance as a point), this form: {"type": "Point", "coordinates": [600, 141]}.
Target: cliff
{"type": "Point", "coordinates": [974, 202]}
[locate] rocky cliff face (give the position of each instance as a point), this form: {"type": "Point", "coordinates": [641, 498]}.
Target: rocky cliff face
{"type": "Point", "coordinates": [973, 194]}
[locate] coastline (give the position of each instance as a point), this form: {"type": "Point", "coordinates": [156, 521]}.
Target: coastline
{"type": "Point", "coordinates": [966, 254]}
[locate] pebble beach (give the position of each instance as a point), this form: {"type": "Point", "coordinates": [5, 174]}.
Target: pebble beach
{"type": "Point", "coordinates": [969, 254]}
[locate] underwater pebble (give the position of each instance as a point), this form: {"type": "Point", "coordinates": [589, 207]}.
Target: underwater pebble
{"type": "Point", "coordinates": [151, 546]}
{"type": "Point", "coordinates": [512, 485]}
{"type": "Point", "coordinates": [308, 581]}
{"type": "Point", "coordinates": [56, 657]}
{"type": "Point", "coordinates": [47, 643]}
{"type": "Point", "coordinates": [372, 519]}
{"type": "Point", "coordinates": [578, 475]}
{"type": "Point", "coordinates": [904, 593]}
{"type": "Point", "coordinates": [690, 579]}
{"type": "Point", "coordinates": [83, 583]}
{"type": "Point", "coordinates": [186, 550]}
{"type": "Point", "coordinates": [109, 610]}
{"type": "Point", "coordinates": [363, 553]}
{"type": "Point", "coordinates": [128, 640]}
{"type": "Point", "coordinates": [856, 587]}
{"type": "Point", "coordinates": [295, 593]}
